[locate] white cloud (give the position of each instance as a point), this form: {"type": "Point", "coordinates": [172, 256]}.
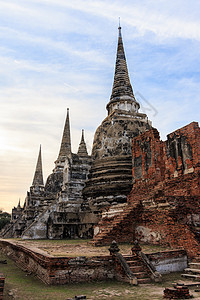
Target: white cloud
{"type": "Point", "coordinates": [143, 15]}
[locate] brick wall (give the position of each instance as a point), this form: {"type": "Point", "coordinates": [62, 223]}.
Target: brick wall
{"type": "Point", "coordinates": [182, 150]}
{"type": "Point", "coordinates": [165, 198]}
{"type": "Point", "coordinates": [2, 282]}
{"type": "Point", "coordinates": [180, 154]}
{"type": "Point", "coordinates": [167, 182]}
{"type": "Point", "coordinates": [169, 261]}
{"type": "Point", "coordinates": [59, 270]}
{"type": "Point", "coordinates": [148, 156]}
{"type": "Point", "coordinates": [63, 270]}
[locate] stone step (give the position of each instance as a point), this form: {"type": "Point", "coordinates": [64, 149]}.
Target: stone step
{"type": "Point", "coordinates": [163, 205]}
{"type": "Point", "coordinates": [192, 270]}
{"type": "Point", "coordinates": [132, 260]}
{"type": "Point", "coordinates": [129, 257]}
{"type": "Point", "coordinates": [194, 265]}
{"type": "Point", "coordinates": [107, 229]}
{"type": "Point", "coordinates": [144, 280]}
{"type": "Point", "coordinates": [136, 269]}
{"type": "Point", "coordinates": [151, 207]}
{"type": "Point", "coordinates": [140, 275]}
{"type": "Point", "coordinates": [191, 276]}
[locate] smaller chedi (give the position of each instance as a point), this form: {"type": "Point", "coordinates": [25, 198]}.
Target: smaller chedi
{"type": "Point", "coordinates": [48, 208]}
{"type": "Point", "coordinates": [16, 211]}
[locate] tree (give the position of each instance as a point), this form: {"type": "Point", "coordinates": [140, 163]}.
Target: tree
{"type": "Point", "coordinates": [4, 218]}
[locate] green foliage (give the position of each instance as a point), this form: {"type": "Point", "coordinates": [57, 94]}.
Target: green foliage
{"type": "Point", "coordinates": [4, 218]}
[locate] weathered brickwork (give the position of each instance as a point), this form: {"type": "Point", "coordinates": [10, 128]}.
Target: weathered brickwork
{"type": "Point", "coordinates": [169, 173]}
{"type": "Point", "coordinates": [63, 270]}
{"type": "Point", "coordinates": [158, 227]}
{"type": "Point", "coordinates": [2, 281]}
{"type": "Point", "coordinates": [148, 156]}
{"type": "Point", "coordinates": [169, 261]}
{"type": "Point", "coordinates": [182, 151]}
{"type": "Point", "coordinates": [178, 292]}
{"type": "Point", "coordinates": [164, 204]}
{"type": "Point", "coordinates": [59, 270]}
{"type": "Point", "coordinates": [120, 228]}
{"type": "Point", "coordinates": [157, 160]}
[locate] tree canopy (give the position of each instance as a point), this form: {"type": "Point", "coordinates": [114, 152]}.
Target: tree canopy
{"type": "Point", "coordinates": [4, 218]}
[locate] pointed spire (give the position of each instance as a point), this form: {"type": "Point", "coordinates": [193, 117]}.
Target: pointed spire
{"type": "Point", "coordinates": [122, 89]}
{"type": "Point", "coordinates": [82, 150]}
{"type": "Point", "coordinates": [82, 136]}
{"type": "Point", "coordinates": [65, 148]}
{"type": "Point", "coordinates": [19, 206]}
{"type": "Point", "coordinates": [38, 177]}
{"type": "Point", "coordinates": [121, 85]}
{"type": "Point", "coordinates": [120, 34]}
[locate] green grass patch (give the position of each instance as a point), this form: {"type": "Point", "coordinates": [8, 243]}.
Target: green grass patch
{"type": "Point", "coordinates": [25, 286]}
{"type": "Point", "coordinates": [53, 242]}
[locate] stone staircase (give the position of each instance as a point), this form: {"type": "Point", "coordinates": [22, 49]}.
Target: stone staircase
{"type": "Point", "coordinates": [116, 227]}
{"type": "Point", "coordinates": [193, 270]}
{"type": "Point", "coordinates": [138, 269]}
{"type": "Point", "coordinates": [156, 199]}
{"type": "Point", "coordinates": [123, 223]}
{"type": "Point", "coordinates": [135, 268]}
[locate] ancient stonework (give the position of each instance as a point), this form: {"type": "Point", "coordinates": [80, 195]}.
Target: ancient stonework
{"type": "Point", "coordinates": [63, 270]}
{"type": "Point", "coordinates": [52, 211]}
{"type": "Point", "coordinates": [110, 178]}
{"type": "Point", "coordinates": [133, 186]}
{"type": "Point", "coordinates": [164, 204]}
{"type": "Point", "coordinates": [16, 212]}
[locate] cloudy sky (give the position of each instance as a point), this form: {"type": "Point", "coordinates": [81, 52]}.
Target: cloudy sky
{"type": "Point", "coordinates": [56, 54]}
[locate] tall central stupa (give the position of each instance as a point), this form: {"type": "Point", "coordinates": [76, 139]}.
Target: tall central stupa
{"type": "Point", "coordinates": [110, 177]}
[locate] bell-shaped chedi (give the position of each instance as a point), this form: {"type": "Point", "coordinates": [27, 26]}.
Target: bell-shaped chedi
{"type": "Point", "coordinates": [110, 178]}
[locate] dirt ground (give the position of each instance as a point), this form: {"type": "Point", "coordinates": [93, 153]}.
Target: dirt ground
{"type": "Point", "coordinates": [72, 248]}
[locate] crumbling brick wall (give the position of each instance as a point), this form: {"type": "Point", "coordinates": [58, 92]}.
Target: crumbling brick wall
{"type": "Point", "coordinates": [166, 192]}
{"type": "Point", "coordinates": [59, 270]}
{"type": "Point", "coordinates": [180, 154]}
{"type": "Point", "coordinates": [182, 151]}
{"type": "Point", "coordinates": [168, 172]}
{"type": "Point", "coordinates": [148, 156]}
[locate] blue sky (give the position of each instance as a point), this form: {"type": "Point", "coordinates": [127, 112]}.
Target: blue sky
{"type": "Point", "coordinates": [58, 53]}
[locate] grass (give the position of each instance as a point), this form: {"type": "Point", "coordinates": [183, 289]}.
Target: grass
{"type": "Point", "coordinates": [52, 242]}
{"type": "Point", "coordinates": [24, 286]}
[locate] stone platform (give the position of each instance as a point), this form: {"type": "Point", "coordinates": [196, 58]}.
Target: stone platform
{"type": "Point", "coordinates": [84, 264]}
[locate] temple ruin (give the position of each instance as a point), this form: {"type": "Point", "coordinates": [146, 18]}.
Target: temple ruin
{"type": "Point", "coordinates": [133, 186]}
